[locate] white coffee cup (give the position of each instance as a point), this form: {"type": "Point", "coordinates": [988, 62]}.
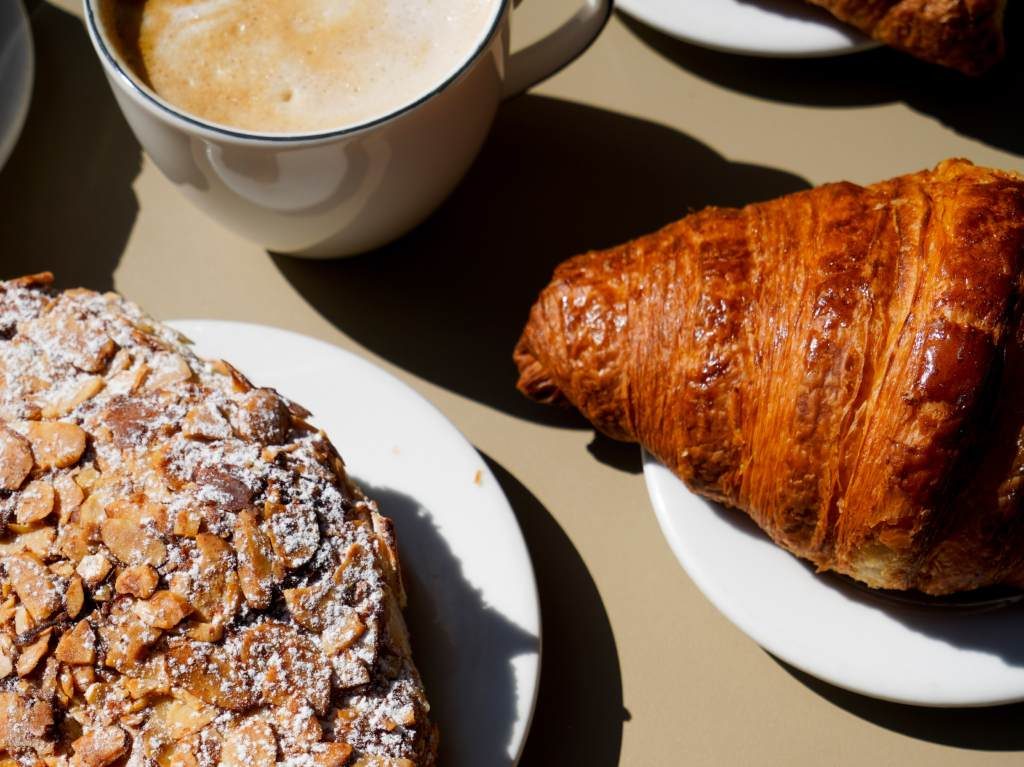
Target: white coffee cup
{"type": "Point", "coordinates": [351, 190]}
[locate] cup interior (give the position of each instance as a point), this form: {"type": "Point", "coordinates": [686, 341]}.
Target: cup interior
{"type": "Point", "coordinates": [135, 86]}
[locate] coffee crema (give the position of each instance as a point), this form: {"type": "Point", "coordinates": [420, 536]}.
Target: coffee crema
{"type": "Point", "coordinates": [294, 66]}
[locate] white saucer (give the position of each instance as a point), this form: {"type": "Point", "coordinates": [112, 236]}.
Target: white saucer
{"type": "Point", "coordinates": [925, 656]}
{"type": "Point", "coordinates": [773, 28]}
{"type": "Point", "coordinates": [17, 68]}
{"type": "Point", "coordinates": [474, 613]}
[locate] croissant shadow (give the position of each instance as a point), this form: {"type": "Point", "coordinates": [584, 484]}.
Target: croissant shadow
{"type": "Point", "coordinates": [66, 190]}
{"type": "Point", "coordinates": [448, 301]}
{"type": "Point", "coordinates": [961, 628]}
{"type": "Point", "coordinates": [997, 728]}
{"type": "Point", "coordinates": [463, 647]}
{"type": "Point", "coordinates": [975, 107]}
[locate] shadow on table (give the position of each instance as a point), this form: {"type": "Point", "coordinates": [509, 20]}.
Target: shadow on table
{"type": "Point", "coordinates": [580, 713]}
{"type": "Point", "coordinates": [476, 720]}
{"type": "Point", "coordinates": [985, 729]}
{"type": "Point", "coordinates": [65, 192]}
{"type": "Point", "coordinates": [448, 301]}
{"type": "Point", "coordinates": [977, 107]}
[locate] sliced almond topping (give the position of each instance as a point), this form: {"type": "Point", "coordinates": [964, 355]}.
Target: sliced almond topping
{"type": "Point", "coordinates": [187, 523]}
{"type": "Point", "coordinates": [86, 390]}
{"type": "Point", "coordinates": [255, 569]}
{"type": "Point", "coordinates": [15, 459]}
{"type": "Point", "coordinates": [370, 760]}
{"type": "Point", "coordinates": [177, 718]}
{"type": "Point", "coordinates": [69, 497]}
{"type": "Point", "coordinates": [132, 543]}
{"type": "Point", "coordinates": [24, 722]}
{"type": "Point", "coordinates": [286, 662]}
{"type": "Point", "coordinates": [294, 533]}
{"type": "Point", "coordinates": [303, 603]}
{"type": "Point", "coordinates": [6, 666]}
{"type": "Point", "coordinates": [91, 513]}
{"type": "Point", "coordinates": [331, 754]}
{"type": "Point", "coordinates": [206, 422]}
{"type": "Point", "coordinates": [205, 632]}
{"type": "Point", "coordinates": [22, 620]}
{"type": "Point", "coordinates": [217, 598]}
{"type": "Point", "coordinates": [74, 597]}
{"type": "Point", "coordinates": [338, 638]}
{"type": "Point", "coordinates": [84, 676]}
{"type": "Point", "coordinates": [140, 511]}
{"type": "Point", "coordinates": [127, 645]}
{"type": "Point", "coordinates": [203, 670]}
{"type": "Point", "coordinates": [35, 502]}
{"type": "Point", "coordinates": [250, 743]}
{"type": "Point", "coordinates": [35, 588]}
{"type": "Point", "coordinates": [34, 653]}
{"type": "Point", "coordinates": [145, 688]}
{"type": "Point", "coordinates": [94, 568]}
{"type": "Point", "coordinates": [164, 610]}
{"type": "Point", "coordinates": [78, 646]}
{"type": "Point", "coordinates": [263, 417]}
{"type": "Point", "coordinates": [37, 540]}
{"type": "Point", "coordinates": [99, 747]}
{"type": "Point", "coordinates": [296, 725]}
{"type": "Point", "coordinates": [55, 445]}
{"type": "Point", "coordinates": [168, 369]}
{"type": "Point", "coordinates": [139, 581]}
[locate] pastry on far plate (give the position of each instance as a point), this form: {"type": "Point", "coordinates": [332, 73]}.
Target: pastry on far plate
{"type": "Point", "coordinates": [962, 34]}
{"type": "Point", "coordinates": [187, 574]}
{"type": "Point", "coordinates": [844, 364]}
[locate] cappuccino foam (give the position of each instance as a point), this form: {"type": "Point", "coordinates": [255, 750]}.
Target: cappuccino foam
{"type": "Point", "coordinates": [295, 66]}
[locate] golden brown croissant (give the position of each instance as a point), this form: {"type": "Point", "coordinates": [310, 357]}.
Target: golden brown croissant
{"type": "Point", "coordinates": [844, 364]}
{"type": "Point", "coordinates": [962, 34]}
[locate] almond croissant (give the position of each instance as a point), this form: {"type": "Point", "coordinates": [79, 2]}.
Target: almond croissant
{"type": "Point", "coordinates": [844, 364]}
{"type": "Point", "coordinates": [962, 34]}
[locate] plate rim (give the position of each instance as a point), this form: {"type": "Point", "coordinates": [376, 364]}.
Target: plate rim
{"type": "Point", "coordinates": [651, 467]}
{"type": "Point", "coordinates": [10, 133]}
{"type": "Point", "coordinates": [360, 361]}
{"type": "Point", "coordinates": [636, 10]}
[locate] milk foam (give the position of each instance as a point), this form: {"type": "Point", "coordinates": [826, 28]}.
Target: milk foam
{"type": "Point", "coordinates": [295, 65]}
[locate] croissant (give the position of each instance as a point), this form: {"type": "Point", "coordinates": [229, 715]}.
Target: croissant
{"type": "Point", "coordinates": [963, 34]}
{"type": "Point", "coordinates": [843, 364]}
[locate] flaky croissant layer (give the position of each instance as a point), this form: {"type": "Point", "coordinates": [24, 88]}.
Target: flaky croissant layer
{"type": "Point", "coordinates": [843, 364]}
{"type": "Point", "coordinates": [961, 34]}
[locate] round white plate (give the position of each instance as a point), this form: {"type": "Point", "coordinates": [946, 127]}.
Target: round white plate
{"type": "Point", "coordinates": [473, 609]}
{"type": "Point", "coordinates": [17, 67]}
{"type": "Point", "coordinates": [926, 656]}
{"type": "Point", "coordinates": [774, 28]}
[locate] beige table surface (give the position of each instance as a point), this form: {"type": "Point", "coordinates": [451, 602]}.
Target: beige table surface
{"type": "Point", "coordinates": [639, 668]}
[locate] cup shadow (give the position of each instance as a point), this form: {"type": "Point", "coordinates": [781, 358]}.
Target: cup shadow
{"type": "Point", "coordinates": [448, 301]}
{"type": "Point", "coordinates": [66, 190]}
{"type": "Point", "coordinates": [982, 729]}
{"type": "Point", "coordinates": [572, 724]}
{"type": "Point", "coordinates": [975, 107]}
{"type": "Point", "coordinates": [998, 632]}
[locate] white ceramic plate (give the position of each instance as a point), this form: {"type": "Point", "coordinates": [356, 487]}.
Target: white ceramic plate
{"type": "Point", "coordinates": [927, 656]}
{"type": "Point", "coordinates": [774, 28]}
{"type": "Point", "coordinates": [17, 67]}
{"type": "Point", "coordinates": [473, 608]}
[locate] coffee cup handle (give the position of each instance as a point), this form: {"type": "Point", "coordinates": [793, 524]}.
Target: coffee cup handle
{"type": "Point", "coordinates": [558, 49]}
